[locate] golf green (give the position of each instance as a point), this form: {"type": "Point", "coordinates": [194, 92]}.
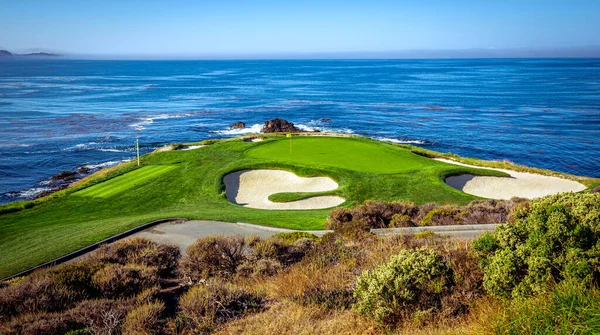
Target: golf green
{"type": "Point", "coordinates": [189, 184]}
{"type": "Point", "coordinates": [345, 153]}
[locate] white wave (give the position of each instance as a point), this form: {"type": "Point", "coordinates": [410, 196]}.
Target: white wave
{"type": "Point", "coordinates": [255, 129]}
{"type": "Point", "coordinates": [81, 146]}
{"type": "Point", "coordinates": [113, 150]}
{"type": "Point", "coordinates": [304, 127]}
{"type": "Point", "coordinates": [399, 141]}
{"type": "Point", "coordinates": [144, 121]}
{"type": "Point", "coordinates": [14, 145]}
{"type": "Point", "coordinates": [28, 193]}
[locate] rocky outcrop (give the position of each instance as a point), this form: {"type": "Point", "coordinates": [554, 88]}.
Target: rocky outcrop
{"type": "Point", "coordinates": [279, 126]}
{"type": "Point", "coordinates": [238, 125]}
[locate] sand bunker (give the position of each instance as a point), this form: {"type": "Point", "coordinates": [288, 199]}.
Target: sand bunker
{"type": "Point", "coordinates": [252, 188]}
{"type": "Point", "coordinates": [519, 184]}
{"type": "Point", "coordinates": [253, 139]}
{"type": "Point", "coordinates": [191, 147]}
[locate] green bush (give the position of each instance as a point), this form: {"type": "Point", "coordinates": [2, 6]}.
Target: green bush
{"type": "Point", "coordinates": [548, 240]}
{"type": "Point", "coordinates": [413, 280]}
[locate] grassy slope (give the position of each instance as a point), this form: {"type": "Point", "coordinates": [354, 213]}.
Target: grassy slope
{"type": "Point", "coordinates": [65, 222]}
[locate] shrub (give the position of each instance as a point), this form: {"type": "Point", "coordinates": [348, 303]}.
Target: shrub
{"type": "Point", "coordinates": [141, 251]}
{"type": "Point", "coordinates": [39, 323]}
{"type": "Point", "coordinates": [443, 216]}
{"type": "Point", "coordinates": [100, 316]}
{"type": "Point", "coordinates": [204, 306]}
{"type": "Point", "coordinates": [400, 220]}
{"type": "Point", "coordinates": [260, 268]}
{"type": "Point", "coordinates": [283, 252]}
{"type": "Point", "coordinates": [35, 293]}
{"type": "Point", "coordinates": [116, 280]}
{"type": "Point", "coordinates": [373, 213]}
{"type": "Point", "coordinates": [295, 236]}
{"type": "Point", "coordinates": [548, 240]}
{"type": "Point", "coordinates": [147, 296]}
{"type": "Point", "coordinates": [213, 256]}
{"type": "Point", "coordinates": [143, 319]}
{"type": "Point", "coordinates": [76, 276]}
{"type": "Point", "coordinates": [413, 280]}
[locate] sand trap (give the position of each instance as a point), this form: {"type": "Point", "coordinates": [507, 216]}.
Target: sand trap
{"type": "Point", "coordinates": [252, 188]}
{"type": "Point", "coordinates": [191, 147]}
{"type": "Point", "coordinates": [254, 139]}
{"type": "Point", "coordinates": [519, 184]}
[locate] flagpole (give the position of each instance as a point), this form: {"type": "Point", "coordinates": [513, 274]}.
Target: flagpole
{"type": "Point", "coordinates": [137, 146]}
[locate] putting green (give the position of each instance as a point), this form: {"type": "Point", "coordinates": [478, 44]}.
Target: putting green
{"type": "Point", "coordinates": [124, 182]}
{"type": "Point", "coordinates": [345, 153]}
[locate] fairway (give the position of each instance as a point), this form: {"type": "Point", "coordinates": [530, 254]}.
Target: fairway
{"type": "Point", "coordinates": [124, 182]}
{"type": "Point", "coordinates": [345, 153]}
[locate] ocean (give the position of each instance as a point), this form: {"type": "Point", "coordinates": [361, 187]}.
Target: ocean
{"type": "Point", "coordinates": [59, 115]}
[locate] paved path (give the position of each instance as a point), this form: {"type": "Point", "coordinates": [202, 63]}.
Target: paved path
{"type": "Point", "coordinates": [185, 233]}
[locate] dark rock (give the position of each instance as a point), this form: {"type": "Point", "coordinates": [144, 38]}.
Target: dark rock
{"type": "Point", "coordinates": [65, 175]}
{"type": "Point", "coordinates": [279, 126]}
{"type": "Point", "coordinates": [84, 170]}
{"type": "Point", "coordinates": [53, 190]}
{"type": "Point", "coordinates": [238, 125]}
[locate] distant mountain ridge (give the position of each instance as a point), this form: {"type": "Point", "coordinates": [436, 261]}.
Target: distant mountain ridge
{"type": "Point", "coordinates": [6, 53]}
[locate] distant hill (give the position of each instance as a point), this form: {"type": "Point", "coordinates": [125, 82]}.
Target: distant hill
{"type": "Point", "coordinates": [5, 53]}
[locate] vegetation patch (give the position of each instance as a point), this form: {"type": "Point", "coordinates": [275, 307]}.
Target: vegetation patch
{"type": "Point", "coordinates": [125, 182]}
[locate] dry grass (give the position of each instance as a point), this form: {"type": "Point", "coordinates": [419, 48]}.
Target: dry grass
{"type": "Point", "coordinates": [290, 318]}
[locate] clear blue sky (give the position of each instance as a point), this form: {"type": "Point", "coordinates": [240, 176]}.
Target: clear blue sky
{"type": "Point", "coordinates": [172, 27]}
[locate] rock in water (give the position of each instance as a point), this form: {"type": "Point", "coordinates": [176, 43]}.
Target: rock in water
{"type": "Point", "coordinates": [279, 126]}
{"type": "Point", "coordinates": [238, 125]}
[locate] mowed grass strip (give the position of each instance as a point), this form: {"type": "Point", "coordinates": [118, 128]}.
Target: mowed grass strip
{"type": "Point", "coordinates": [346, 153]}
{"type": "Point", "coordinates": [124, 182]}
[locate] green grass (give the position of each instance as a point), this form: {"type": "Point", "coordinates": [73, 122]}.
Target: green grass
{"type": "Point", "coordinates": [570, 308]}
{"type": "Point", "coordinates": [342, 153]}
{"type": "Point", "coordinates": [125, 182]}
{"type": "Point", "coordinates": [189, 184]}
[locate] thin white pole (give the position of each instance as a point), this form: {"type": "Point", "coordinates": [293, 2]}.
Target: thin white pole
{"type": "Point", "coordinates": [137, 146]}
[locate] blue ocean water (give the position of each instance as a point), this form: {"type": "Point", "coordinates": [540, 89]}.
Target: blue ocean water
{"type": "Point", "coordinates": [58, 115]}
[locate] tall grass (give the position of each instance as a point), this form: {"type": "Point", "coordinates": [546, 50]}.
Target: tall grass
{"type": "Point", "coordinates": [570, 308]}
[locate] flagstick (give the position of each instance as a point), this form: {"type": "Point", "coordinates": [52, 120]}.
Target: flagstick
{"type": "Point", "coordinates": [137, 146]}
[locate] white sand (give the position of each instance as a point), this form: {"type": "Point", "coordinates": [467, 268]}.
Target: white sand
{"type": "Point", "coordinates": [252, 188]}
{"type": "Point", "coordinates": [191, 147]}
{"type": "Point", "coordinates": [254, 139]}
{"type": "Point", "coordinates": [519, 184]}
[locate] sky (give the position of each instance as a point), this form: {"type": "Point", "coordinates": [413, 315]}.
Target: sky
{"type": "Point", "coordinates": [225, 28]}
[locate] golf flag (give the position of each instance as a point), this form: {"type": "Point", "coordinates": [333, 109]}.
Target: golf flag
{"type": "Point", "coordinates": [137, 147]}
{"type": "Point", "coordinates": [290, 137]}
